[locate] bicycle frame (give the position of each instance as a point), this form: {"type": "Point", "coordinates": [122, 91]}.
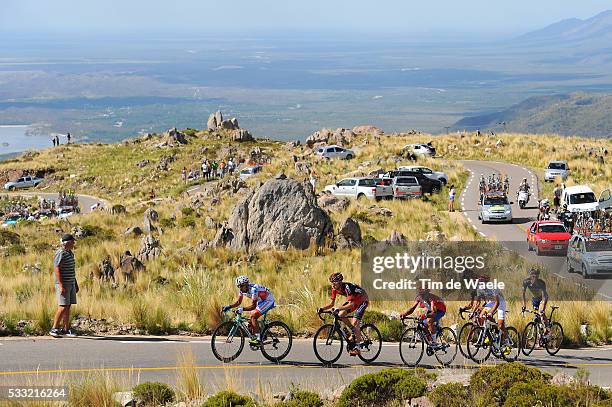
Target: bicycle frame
{"type": "Point", "coordinates": [240, 322]}
{"type": "Point", "coordinates": [423, 329]}
{"type": "Point", "coordinates": [337, 325]}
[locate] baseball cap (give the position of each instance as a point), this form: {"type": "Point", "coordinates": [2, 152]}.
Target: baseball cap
{"type": "Point", "coordinates": [67, 237]}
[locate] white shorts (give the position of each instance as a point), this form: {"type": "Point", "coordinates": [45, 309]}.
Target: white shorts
{"type": "Point", "coordinates": [501, 309]}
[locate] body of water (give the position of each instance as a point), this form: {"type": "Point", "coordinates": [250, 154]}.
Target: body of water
{"type": "Point", "coordinates": [13, 139]}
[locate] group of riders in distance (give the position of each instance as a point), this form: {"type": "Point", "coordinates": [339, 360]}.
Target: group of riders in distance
{"type": "Point", "coordinates": [484, 334]}
{"type": "Point", "coordinates": [495, 183]}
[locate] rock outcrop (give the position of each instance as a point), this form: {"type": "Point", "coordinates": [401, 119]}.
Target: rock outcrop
{"type": "Point", "coordinates": [214, 121]}
{"type": "Point", "coordinates": [150, 217]}
{"type": "Point", "coordinates": [282, 213]}
{"type": "Point", "coordinates": [339, 136]}
{"type": "Point", "coordinates": [333, 203]}
{"type": "Point", "coordinates": [173, 137]}
{"type": "Point", "coordinates": [150, 248]}
{"type": "Point", "coordinates": [105, 270]}
{"type": "Point", "coordinates": [349, 235]}
{"type": "Point", "coordinates": [242, 135]}
{"type": "Point", "coordinates": [367, 129]}
{"type": "Point", "coordinates": [129, 266]}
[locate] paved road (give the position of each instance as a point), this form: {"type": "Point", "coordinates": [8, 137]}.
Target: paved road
{"type": "Point", "coordinates": [137, 358]}
{"type": "Point", "coordinates": [511, 234]}
{"type": "Point", "coordinates": [85, 201]}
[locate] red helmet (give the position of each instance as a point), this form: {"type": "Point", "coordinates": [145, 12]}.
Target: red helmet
{"type": "Point", "coordinates": [482, 277]}
{"type": "Point", "coordinates": [336, 278]}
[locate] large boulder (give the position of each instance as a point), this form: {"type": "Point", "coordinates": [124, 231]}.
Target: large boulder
{"type": "Point", "coordinates": [175, 138]}
{"type": "Point", "coordinates": [150, 248]}
{"type": "Point", "coordinates": [242, 135]}
{"type": "Point", "coordinates": [150, 217]}
{"type": "Point", "coordinates": [230, 124]}
{"type": "Point", "coordinates": [130, 266]}
{"type": "Point", "coordinates": [339, 136]}
{"type": "Point", "coordinates": [349, 235]}
{"type": "Point", "coordinates": [333, 203]}
{"type": "Point", "coordinates": [367, 129]}
{"type": "Point", "coordinates": [214, 120]}
{"type": "Point", "coordinates": [282, 213]}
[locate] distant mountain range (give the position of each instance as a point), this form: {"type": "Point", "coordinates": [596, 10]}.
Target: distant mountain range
{"type": "Point", "coordinates": [572, 30]}
{"type": "Point", "coordinates": [584, 114]}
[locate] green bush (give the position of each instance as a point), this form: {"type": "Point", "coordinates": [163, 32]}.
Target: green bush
{"type": "Point", "coordinates": [451, 395]}
{"type": "Point", "coordinates": [153, 393]}
{"type": "Point", "coordinates": [187, 222]}
{"type": "Point", "coordinates": [167, 223]}
{"type": "Point", "coordinates": [492, 383]}
{"type": "Point", "coordinates": [229, 399]}
{"type": "Point", "coordinates": [187, 211]}
{"type": "Point", "coordinates": [15, 250]}
{"type": "Point", "coordinates": [7, 237]}
{"type": "Point", "coordinates": [301, 398]}
{"type": "Point", "coordinates": [375, 389]}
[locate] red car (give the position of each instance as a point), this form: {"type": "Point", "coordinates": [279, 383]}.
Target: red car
{"type": "Point", "coordinates": [546, 236]}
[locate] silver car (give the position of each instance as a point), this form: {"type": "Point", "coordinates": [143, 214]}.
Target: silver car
{"type": "Point", "coordinates": [556, 169]}
{"type": "Point", "coordinates": [494, 207]}
{"type": "Point", "coordinates": [335, 152]}
{"type": "Point", "coordinates": [590, 255]}
{"type": "Point", "coordinates": [27, 181]}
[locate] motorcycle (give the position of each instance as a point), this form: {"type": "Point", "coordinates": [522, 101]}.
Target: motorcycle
{"type": "Point", "coordinates": [523, 198]}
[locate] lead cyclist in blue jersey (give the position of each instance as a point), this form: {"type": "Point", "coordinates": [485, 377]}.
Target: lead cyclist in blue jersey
{"type": "Point", "coordinates": [263, 301]}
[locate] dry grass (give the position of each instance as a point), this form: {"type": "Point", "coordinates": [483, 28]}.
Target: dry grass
{"type": "Point", "coordinates": [199, 283]}
{"type": "Point", "coordinates": [188, 382]}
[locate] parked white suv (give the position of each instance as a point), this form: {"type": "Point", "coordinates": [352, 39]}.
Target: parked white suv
{"type": "Point", "coordinates": [579, 198]}
{"type": "Point", "coordinates": [420, 149]}
{"type": "Point", "coordinates": [556, 169]}
{"type": "Point", "coordinates": [23, 182]}
{"type": "Point", "coordinates": [428, 172]}
{"type": "Point", "coordinates": [335, 152]}
{"type": "Point", "coordinates": [372, 188]}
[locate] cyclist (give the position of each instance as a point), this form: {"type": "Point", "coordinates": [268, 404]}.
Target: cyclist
{"type": "Point", "coordinates": [357, 301]}
{"type": "Point", "coordinates": [435, 310]}
{"type": "Point", "coordinates": [494, 303]}
{"type": "Point", "coordinates": [506, 184]}
{"type": "Point", "coordinates": [263, 301]}
{"type": "Point", "coordinates": [537, 287]}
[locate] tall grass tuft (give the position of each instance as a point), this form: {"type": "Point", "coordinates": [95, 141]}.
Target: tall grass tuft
{"type": "Point", "coordinates": [94, 390]}
{"type": "Point", "coordinates": [188, 380]}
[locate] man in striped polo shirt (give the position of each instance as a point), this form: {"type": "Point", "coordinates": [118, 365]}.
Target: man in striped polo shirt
{"type": "Point", "coordinates": [66, 287]}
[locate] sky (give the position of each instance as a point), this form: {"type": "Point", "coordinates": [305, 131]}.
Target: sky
{"type": "Point", "coordinates": [510, 17]}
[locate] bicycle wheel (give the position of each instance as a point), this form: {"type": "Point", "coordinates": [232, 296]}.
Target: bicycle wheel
{"type": "Point", "coordinates": [446, 351]}
{"type": "Point", "coordinates": [479, 344]}
{"type": "Point", "coordinates": [227, 341]}
{"type": "Point", "coordinates": [411, 347]}
{"type": "Point", "coordinates": [328, 344]}
{"type": "Point", "coordinates": [276, 341]}
{"type": "Point", "coordinates": [555, 339]}
{"type": "Point", "coordinates": [372, 343]}
{"type": "Point", "coordinates": [530, 338]}
{"type": "Point", "coordinates": [462, 338]}
{"type": "Point", "coordinates": [512, 349]}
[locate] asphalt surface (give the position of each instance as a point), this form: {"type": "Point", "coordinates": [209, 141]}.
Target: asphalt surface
{"type": "Point", "coordinates": [514, 235]}
{"type": "Point", "coordinates": [133, 359]}
{"type": "Point", "coordinates": [85, 201]}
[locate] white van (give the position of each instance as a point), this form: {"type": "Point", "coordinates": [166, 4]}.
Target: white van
{"type": "Point", "coordinates": [579, 198]}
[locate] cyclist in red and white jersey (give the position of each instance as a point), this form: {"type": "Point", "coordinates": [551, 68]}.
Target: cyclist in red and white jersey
{"type": "Point", "coordinates": [434, 307]}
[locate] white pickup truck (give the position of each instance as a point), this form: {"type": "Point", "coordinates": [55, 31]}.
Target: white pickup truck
{"type": "Point", "coordinates": [372, 188]}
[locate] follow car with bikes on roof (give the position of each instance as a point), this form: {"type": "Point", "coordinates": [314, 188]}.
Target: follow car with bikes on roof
{"type": "Point", "coordinates": [484, 333]}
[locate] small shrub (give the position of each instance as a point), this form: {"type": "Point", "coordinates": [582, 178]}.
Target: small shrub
{"type": "Point", "coordinates": [187, 222]}
{"type": "Point", "coordinates": [451, 395]}
{"type": "Point", "coordinates": [94, 390]}
{"type": "Point", "coordinates": [301, 398]}
{"type": "Point", "coordinates": [493, 383]}
{"type": "Point", "coordinates": [187, 211]}
{"type": "Point", "coordinates": [44, 319]}
{"type": "Point", "coordinates": [167, 223]}
{"type": "Point", "coordinates": [153, 393]}
{"type": "Point", "coordinates": [15, 250]}
{"type": "Point", "coordinates": [229, 399]}
{"type": "Point", "coordinates": [9, 238]}
{"type": "Point", "coordinates": [375, 389]}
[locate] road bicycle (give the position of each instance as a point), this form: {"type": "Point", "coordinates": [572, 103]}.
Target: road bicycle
{"type": "Point", "coordinates": [229, 337]}
{"type": "Point", "coordinates": [486, 339]}
{"type": "Point", "coordinates": [416, 341]}
{"type": "Point", "coordinates": [464, 332]}
{"type": "Point", "coordinates": [535, 333]}
{"type": "Point", "coordinates": [329, 340]}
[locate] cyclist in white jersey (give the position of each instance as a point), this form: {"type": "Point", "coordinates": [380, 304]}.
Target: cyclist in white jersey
{"type": "Point", "coordinates": [263, 301]}
{"type": "Point", "coordinates": [494, 301]}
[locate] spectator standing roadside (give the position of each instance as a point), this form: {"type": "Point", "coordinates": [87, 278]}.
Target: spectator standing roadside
{"type": "Point", "coordinates": [53, 140]}
{"type": "Point", "coordinates": [66, 286]}
{"type": "Point", "coordinates": [557, 197]}
{"type": "Point", "coordinates": [222, 169]}
{"type": "Point", "coordinates": [205, 170]}
{"type": "Point", "coordinates": [214, 166]}
{"type": "Point", "coordinates": [451, 198]}
{"type": "Point", "coordinates": [69, 137]}
{"type": "Point", "coordinates": [57, 140]}
{"type": "Point", "coordinates": [230, 166]}
{"type": "Point", "coordinates": [184, 174]}
{"type": "Point", "coordinates": [313, 181]}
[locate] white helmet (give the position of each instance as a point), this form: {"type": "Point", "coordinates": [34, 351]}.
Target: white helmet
{"type": "Point", "coordinates": [242, 280]}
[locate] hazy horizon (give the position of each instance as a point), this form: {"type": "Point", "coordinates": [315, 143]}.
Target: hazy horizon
{"type": "Point", "coordinates": [441, 19]}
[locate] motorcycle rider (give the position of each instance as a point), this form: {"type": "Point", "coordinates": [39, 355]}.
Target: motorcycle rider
{"type": "Point", "coordinates": [506, 184]}
{"type": "Point", "coordinates": [524, 185]}
{"type": "Point", "coordinates": [544, 207]}
{"type": "Point", "coordinates": [566, 217]}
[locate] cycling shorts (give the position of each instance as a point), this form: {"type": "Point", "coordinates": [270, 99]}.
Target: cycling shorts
{"type": "Point", "coordinates": [535, 302]}
{"type": "Point", "coordinates": [359, 305]}
{"type": "Point", "coordinates": [501, 309]}
{"type": "Point", "coordinates": [437, 317]}
{"type": "Point", "coordinates": [263, 306]}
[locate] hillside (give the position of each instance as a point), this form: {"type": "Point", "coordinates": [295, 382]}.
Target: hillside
{"type": "Point", "coordinates": [585, 114]}
{"type": "Point", "coordinates": [598, 27]}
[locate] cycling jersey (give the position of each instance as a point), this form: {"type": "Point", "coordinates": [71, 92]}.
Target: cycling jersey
{"type": "Point", "coordinates": [350, 290]}
{"type": "Point", "coordinates": [256, 292]}
{"type": "Point", "coordinates": [431, 302]}
{"type": "Point", "coordinates": [537, 289]}
{"type": "Point", "coordinates": [489, 295]}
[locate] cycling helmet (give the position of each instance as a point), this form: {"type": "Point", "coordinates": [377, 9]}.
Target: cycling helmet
{"type": "Point", "coordinates": [534, 272]}
{"type": "Point", "coordinates": [336, 278]}
{"type": "Point", "coordinates": [242, 280]}
{"type": "Point", "coordinates": [482, 277]}
{"type": "Point", "coordinates": [525, 179]}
